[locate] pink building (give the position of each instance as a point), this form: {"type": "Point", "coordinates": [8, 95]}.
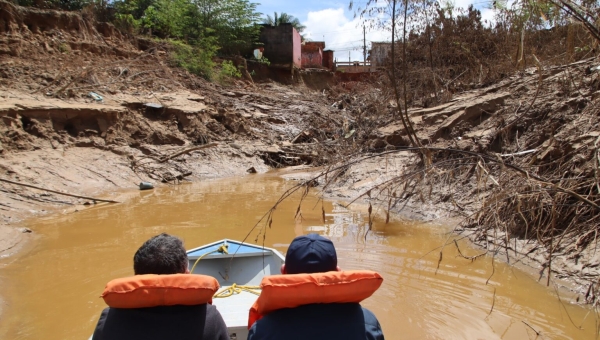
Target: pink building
{"type": "Point", "coordinates": [282, 45]}
{"type": "Point", "coordinates": [312, 54]}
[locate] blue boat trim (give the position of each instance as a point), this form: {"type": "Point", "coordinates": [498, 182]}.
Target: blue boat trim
{"type": "Point", "coordinates": [234, 248]}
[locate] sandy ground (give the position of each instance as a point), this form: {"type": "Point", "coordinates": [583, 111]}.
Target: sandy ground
{"type": "Point", "coordinates": [83, 172]}
{"type": "Point", "coordinates": [12, 240]}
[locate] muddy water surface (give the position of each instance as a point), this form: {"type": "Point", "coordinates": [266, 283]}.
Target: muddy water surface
{"type": "Point", "coordinates": [51, 292]}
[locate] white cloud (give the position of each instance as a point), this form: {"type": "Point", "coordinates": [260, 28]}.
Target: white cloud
{"type": "Point", "coordinates": [344, 34]}
{"type": "Point", "coordinates": [484, 6]}
{"type": "Point", "coordinates": [487, 14]}
{"type": "Point", "coordinates": [341, 34]}
{"type": "Point", "coordinates": [464, 4]}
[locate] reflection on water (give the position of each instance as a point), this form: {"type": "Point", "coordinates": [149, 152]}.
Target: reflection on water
{"type": "Point", "coordinates": [52, 291]}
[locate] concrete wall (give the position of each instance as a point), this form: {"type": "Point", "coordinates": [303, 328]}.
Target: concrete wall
{"type": "Point", "coordinates": [359, 68]}
{"type": "Point", "coordinates": [380, 53]}
{"type": "Point", "coordinates": [282, 44]}
{"type": "Point", "coordinates": [328, 60]}
{"type": "Point", "coordinates": [297, 48]}
{"type": "Point", "coordinates": [312, 54]}
{"type": "Point", "coordinates": [312, 59]}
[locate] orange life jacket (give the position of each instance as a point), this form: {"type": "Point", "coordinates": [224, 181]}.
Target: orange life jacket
{"type": "Point", "coordinates": [142, 291]}
{"type": "Point", "coordinates": [293, 290]}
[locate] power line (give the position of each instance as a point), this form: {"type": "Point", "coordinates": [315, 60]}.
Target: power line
{"type": "Point", "coordinates": [342, 47]}
{"type": "Point", "coordinates": [332, 36]}
{"type": "Point", "coordinates": [347, 49]}
{"type": "Point", "coordinates": [344, 30]}
{"type": "Point", "coordinates": [344, 43]}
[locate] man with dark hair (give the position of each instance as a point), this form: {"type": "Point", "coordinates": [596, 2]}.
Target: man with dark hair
{"type": "Point", "coordinates": [162, 254]}
{"type": "Point", "coordinates": [348, 321]}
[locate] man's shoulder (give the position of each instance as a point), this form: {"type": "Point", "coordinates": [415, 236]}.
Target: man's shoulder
{"type": "Point", "coordinates": [372, 327]}
{"type": "Point", "coordinates": [368, 313]}
{"type": "Point", "coordinates": [370, 317]}
{"type": "Point", "coordinates": [212, 311]}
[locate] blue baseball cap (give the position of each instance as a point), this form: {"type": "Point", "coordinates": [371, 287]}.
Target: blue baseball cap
{"type": "Point", "coordinates": [310, 253]}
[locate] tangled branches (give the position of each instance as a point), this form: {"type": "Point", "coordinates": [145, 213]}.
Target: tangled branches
{"type": "Point", "coordinates": [159, 168]}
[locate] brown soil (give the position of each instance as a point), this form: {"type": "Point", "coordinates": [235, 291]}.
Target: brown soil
{"type": "Point", "coordinates": [543, 122]}
{"type": "Point", "coordinates": [53, 135]}
{"type": "Point", "coordinates": [163, 125]}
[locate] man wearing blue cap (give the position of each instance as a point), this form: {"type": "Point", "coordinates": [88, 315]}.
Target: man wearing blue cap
{"type": "Point", "coordinates": [310, 254]}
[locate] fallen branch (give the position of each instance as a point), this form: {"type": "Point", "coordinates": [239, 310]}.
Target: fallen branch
{"type": "Point", "coordinates": [11, 247]}
{"type": "Point", "coordinates": [493, 303]}
{"type": "Point", "coordinates": [488, 174]}
{"type": "Point", "coordinates": [528, 325]}
{"type": "Point", "coordinates": [522, 171]}
{"type": "Point", "coordinates": [518, 153]}
{"type": "Point", "coordinates": [58, 192]}
{"type": "Point", "coordinates": [540, 83]}
{"type": "Point", "coordinates": [210, 145]}
{"type": "Point", "coordinates": [472, 258]}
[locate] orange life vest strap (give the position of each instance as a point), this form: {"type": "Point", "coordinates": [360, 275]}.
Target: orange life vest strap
{"type": "Point", "coordinates": [142, 291]}
{"type": "Point", "coordinates": [293, 290]}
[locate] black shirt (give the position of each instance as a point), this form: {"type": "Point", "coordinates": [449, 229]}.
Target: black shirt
{"type": "Point", "coordinates": [331, 321]}
{"type": "Point", "coordinates": [198, 322]}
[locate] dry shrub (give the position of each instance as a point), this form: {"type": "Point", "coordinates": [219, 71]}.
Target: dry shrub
{"type": "Point", "coordinates": [452, 53]}
{"type": "Point", "coordinates": [532, 184]}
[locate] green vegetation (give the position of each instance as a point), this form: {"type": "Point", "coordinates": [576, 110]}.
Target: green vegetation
{"type": "Point", "coordinates": [263, 60]}
{"type": "Point", "coordinates": [64, 48]}
{"type": "Point", "coordinates": [284, 18]}
{"type": "Point", "coordinates": [199, 30]}
{"type": "Point", "coordinates": [228, 71]}
{"type": "Point", "coordinates": [230, 24]}
{"type": "Point", "coordinates": [69, 5]}
{"type": "Point", "coordinates": [196, 59]}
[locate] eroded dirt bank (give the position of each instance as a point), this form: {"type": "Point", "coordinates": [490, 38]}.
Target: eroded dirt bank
{"type": "Point", "coordinates": [516, 162]}
{"type": "Point", "coordinates": [97, 149]}
{"type": "Point", "coordinates": [161, 124]}
{"type": "Point", "coordinates": [53, 135]}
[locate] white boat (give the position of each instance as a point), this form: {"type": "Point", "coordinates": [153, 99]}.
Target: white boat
{"type": "Point", "coordinates": [242, 265]}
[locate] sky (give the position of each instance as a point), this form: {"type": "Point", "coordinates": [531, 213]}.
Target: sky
{"type": "Point", "coordinates": [331, 21]}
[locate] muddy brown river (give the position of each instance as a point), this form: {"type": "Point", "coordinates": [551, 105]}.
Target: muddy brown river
{"type": "Point", "coordinates": [52, 291]}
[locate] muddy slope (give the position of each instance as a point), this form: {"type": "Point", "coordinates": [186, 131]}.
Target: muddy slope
{"type": "Point", "coordinates": [147, 121]}
{"type": "Point", "coordinates": [517, 162]}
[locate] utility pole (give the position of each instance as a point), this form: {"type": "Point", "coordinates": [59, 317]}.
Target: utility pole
{"type": "Point", "coordinates": [364, 46]}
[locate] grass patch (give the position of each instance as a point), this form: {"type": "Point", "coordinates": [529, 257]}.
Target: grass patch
{"type": "Point", "coordinates": [196, 59]}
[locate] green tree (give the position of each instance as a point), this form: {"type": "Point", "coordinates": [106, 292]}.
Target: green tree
{"type": "Point", "coordinates": [201, 28]}
{"type": "Point", "coordinates": [69, 5]}
{"type": "Point", "coordinates": [284, 18]}
{"type": "Point", "coordinates": [232, 22]}
{"type": "Point", "coordinates": [196, 59]}
{"type": "Point", "coordinates": [167, 18]}
{"type": "Point", "coordinates": [134, 8]}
